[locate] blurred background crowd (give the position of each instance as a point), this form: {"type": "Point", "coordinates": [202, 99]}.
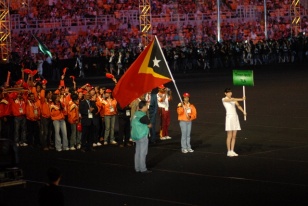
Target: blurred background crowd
{"type": "Point", "coordinates": [97, 30]}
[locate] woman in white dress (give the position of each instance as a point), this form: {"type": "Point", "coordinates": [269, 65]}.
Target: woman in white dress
{"type": "Point", "coordinates": [232, 121]}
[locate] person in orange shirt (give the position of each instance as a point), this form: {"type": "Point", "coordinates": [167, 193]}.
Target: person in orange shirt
{"type": "Point", "coordinates": [33, 114]}
{"type": "Point", "coordinates": [109, 111]}
{"type": "Point", "coordinates": [186, 114]}
{"type": "Point", "coordinates": [6, 120]}
{"type": "Point", "coordinates": [73, 119]}
{"type": "Point", "coordinates": [36, 90]}
{"type": "Point", "coordinates": [96, 120]}
{"type": "Point", "coordinates": [18, 108]}
{"type": "Point", "coordinates": [101, 97]}
{"type": "Point", "coordinates": [57, 116]}
{"type": "Point", "coordinates": [46, 123]}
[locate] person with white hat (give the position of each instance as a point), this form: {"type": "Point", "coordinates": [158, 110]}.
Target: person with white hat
{"type": "Point", "coordinates": [187, 112]}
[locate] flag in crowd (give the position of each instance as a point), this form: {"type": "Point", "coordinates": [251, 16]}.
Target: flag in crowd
{"type": "Point", "coordinates": [43, 48]}
{"type": "Point", "coordinates": [147, 72]}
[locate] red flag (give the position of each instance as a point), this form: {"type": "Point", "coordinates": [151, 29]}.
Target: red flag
{"type": "Point", "coordinates": [148, 71]}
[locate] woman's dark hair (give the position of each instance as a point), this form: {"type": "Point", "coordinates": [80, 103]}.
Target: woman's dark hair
{"type": "Point", "coordinates": [53, 99]}
{"type": "Point", "coordinates": [38, 84]}
{"type": "Point", "coordinates": [74, 97]}
{"type": "Point", "coordinates": [111, 97]}
{"type": "Point", "coordinates": [142, 104]}
{"type": "Point", "coordinates": [227, 90]}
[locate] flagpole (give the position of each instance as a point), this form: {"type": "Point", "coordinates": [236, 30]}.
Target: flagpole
{"type": "Point", "coordinates": [169, 70]}
{"type": "Point", "coordinates": [244, 95]}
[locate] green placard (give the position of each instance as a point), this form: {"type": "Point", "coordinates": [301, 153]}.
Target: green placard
{"type": "Point", "coordinates": [243, 78]}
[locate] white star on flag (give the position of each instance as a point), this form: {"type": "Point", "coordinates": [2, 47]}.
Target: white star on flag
{"type": "Point", "coordinates": [156, 61]}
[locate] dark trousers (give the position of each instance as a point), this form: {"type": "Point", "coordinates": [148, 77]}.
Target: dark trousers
{"type": "Point", "coordinates": [45, 131]}
{"type": "Point", "coordinates": [87, 136]}
{"type": "Point", "coordinates": [124, 130]}
{"type": "Point", "coordinates": [33, 132]}
{"type": "Point", "coordinates": [153, 137]}
{"type": "Point", "coordinates": [7, 127]}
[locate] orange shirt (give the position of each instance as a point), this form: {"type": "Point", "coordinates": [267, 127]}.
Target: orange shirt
{"type": "Point", "coordinates": [73, 113]}
{"type": "Point", "coordinates": [33, 111]}
{"type": "Point", "coordinates": [64, 100]}
{"type": "Point", "coordinates": [45, 105]}
{"type": "Point", "coordinates": [37, 95]}
{"type": "Point", "coordinates": [18, 107]}
{"type": "Point", "coordinates": [108, 107]}
{"type": "Point", "coordinates": [5, 109]}
{"type": "Point", "coordinates": [55, 112]}
{"type": "Point", "coordinates": [190, 111]}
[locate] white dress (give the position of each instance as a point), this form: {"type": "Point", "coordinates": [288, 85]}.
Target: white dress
{"type": "Point", "coordinates": [232, 121]}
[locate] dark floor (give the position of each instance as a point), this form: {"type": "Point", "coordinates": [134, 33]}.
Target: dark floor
{"type": "Point", "coordinates": [272, 167]}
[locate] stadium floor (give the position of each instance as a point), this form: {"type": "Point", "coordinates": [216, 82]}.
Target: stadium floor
{"type": "Point", "coordinates": [271, 168]}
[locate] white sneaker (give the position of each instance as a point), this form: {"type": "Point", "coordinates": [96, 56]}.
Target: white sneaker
{"type": "Point", "coordinates": [234, 154]}
{"type": "Point", "coordinates": [98, 144]}
{"type": "Point", "coordinates": [190, 150]}
{"type": "Point", "coordinates": [184, 151]}
{"type": "Point", "coordinates": [94, 144]}
{"type": "Point", "coordinates": [168, 137]}
{"type": "Point", "coordinates": [230, 154]}
{"type": "Point", "coordinates": [163, 138]}
{"type": "Point", "coordinates": [78, 146]}
{"type": "Point", "coordinates": [72, 148]}
{"type": "Point", "coordinates": [66, 149]}
{"type": "Point", "coordinates": [24, 144]}
{"type": "Point", "coordinates": [113, 142]}
{"type": "Point", "coordinates": [105, 143]}
{"type": "Point", "coordinates": [59, 150]}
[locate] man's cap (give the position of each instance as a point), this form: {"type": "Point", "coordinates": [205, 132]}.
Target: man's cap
{"type": "Point", "coordinates": [108, 91]}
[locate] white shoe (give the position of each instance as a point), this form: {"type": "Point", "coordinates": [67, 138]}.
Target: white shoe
{"type": "Point", "coordinates": [184, 151]}
{"type": "Point", "coordinates": [94, 144]}
{"type": "Point", "coordinates": [163, 138]}
{"type": "Point", "coordinates": [230, 154]}
{"type": "Point", "coordinates": [190, 150]}
{"type": "Point", "coordinates": [98, 144]}
{"type": "Point", "coordinates": [78, 146]}
{"type": "Point", "coordinates": [72, 148]}
{"type": "Point", "coordinates": [234, 154]}
{"type": "Point", "coordinates": [113, 142]}
{"type": "Point", "coordinates": [66, 149]}
{"type": "Point", "coordinates": [59, 150]}
{"type": "Point", "coordinates": [168, 137]}
{"type": "Point", "coordinates": [24, 144]}
{"type": "Point", "coordinates": [105, 143]}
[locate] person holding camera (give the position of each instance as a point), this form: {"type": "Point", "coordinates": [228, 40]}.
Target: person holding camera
{"type": "Point", "coordinates": [163, 98]}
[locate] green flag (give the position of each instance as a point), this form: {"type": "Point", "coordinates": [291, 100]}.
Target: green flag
{"type": "Point", "coordinates": [243, 78]}
{"type": "Point", "coordinates": [42, 46]}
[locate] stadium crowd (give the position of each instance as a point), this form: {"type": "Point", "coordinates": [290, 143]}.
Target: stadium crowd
{"type": "Point", "coordinates": [194, 44]}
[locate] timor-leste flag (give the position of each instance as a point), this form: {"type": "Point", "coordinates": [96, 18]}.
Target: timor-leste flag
{"type": "Point", "coordinates": [148, 71]}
